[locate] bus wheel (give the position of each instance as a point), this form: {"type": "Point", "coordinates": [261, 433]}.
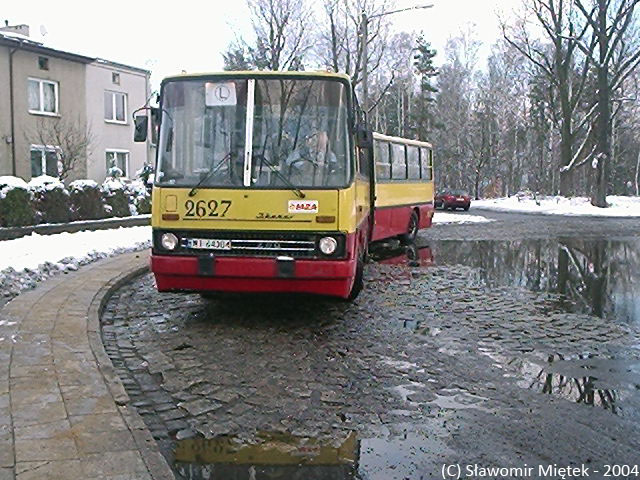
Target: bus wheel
{"type": "Point", "coordinates": [358, 282]}
{"type": "Point", "coordinates": [412, 229]}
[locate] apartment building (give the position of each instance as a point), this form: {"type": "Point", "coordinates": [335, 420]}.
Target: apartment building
{"type": "Point", "coordinates": [64, 114]}
{"type": "Point", "coordinates": [113, 92]}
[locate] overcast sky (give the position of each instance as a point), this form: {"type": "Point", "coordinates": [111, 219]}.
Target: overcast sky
{"type": "Point", "coordinates": [167, 38]}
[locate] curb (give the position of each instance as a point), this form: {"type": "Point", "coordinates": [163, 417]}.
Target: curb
{"type": "Point", "coordinates": [147, 446]}
{"type": "Point", "coordinates": [11, 233]}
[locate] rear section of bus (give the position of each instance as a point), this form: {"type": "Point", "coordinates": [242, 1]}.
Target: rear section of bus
{"type": "Point", "coordinates": [255, 187]}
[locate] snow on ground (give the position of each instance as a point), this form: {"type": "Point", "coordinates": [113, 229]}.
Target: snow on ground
{"type": "Point", "coordinates": [618, 206]}
{"type": "Point", "coordinates": [26, 261]}
{"type": "Point", "coordinates": [443, 217]}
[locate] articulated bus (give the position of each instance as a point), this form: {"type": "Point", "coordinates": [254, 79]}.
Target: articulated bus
{"type": "Point", "coordinates": [269, 182]}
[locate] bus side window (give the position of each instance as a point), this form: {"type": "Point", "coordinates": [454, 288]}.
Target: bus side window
{"type": "Point", "coordinates": [383, 165]}
{"type": "Point", "coordinates": [398, 162]}
{"type": "Point", "coordinates": [413, 162]}
{"type": "Point", "coordinates": [426, 163]}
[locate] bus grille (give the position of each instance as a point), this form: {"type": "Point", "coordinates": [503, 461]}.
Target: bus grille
{"type": "Point", "coordinates": [254, 244]}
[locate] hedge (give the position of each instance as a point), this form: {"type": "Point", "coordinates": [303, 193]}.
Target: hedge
{"type": "Point", "coordinates": [47, 200]}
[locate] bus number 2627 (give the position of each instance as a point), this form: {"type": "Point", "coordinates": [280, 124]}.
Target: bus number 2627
{"type": "Point", "coordinates": [202, 208]}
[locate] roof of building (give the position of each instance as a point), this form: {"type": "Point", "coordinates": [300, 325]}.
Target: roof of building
{"type": "Point", "coordinates": [10, 39]}
{"type": "Point", "coordinates": [16, 40]}
{"type": "Point", "coordinates": [103, 61]}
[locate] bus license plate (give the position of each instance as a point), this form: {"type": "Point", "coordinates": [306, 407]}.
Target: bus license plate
{"type": "Point", "coordinates": [209, 244]}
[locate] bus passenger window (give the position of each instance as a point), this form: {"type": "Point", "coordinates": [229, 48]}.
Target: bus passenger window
{"type": "Point", "coordinates": [413, 163]}
{"type": "Point", "coordinates": [383, 165]}
{"type": "Point", "coordinates": [398, 162]}
{"type": "Point", "coordinates": [426, 163]}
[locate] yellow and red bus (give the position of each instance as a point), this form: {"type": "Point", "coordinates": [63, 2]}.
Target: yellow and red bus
{"type": "Point", "coordinates": [265, 182]}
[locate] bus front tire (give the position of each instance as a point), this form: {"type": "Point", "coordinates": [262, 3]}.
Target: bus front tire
{"type": "Point", "coordinates": [358, 281]}
{"type": "Point", "coordinates": [412, 229]}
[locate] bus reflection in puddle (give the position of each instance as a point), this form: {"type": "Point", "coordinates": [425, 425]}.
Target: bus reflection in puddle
{"type": "Point", "coordinates": [396, 253]}
{"type": "Point", "coordinates": [273, 456]}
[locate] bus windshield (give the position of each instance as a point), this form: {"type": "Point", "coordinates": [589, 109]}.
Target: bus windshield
{"type": "Point", "coordinates": [298, 132]}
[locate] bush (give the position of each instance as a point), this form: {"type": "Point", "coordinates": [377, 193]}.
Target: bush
{"type": "Point", "coordinates": [143, 204]}
{"type": "Point", "coordinates": [87, 202]}
{"type": "Point", "coordinates": [140, 197]}
{"type": "Point", "coordinates": [116, 197]}
{"type": "Point", "coordinates": [16, 209]}
{"type": "Point", "coordinates": [50, 199]}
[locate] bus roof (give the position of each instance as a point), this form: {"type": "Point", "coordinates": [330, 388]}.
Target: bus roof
{"type": "Point", "coordinates": [389, 138]}
{"type": "Point", "coordinates": [260, 73]}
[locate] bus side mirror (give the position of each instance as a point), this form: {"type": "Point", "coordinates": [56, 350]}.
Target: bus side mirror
{"type": "Point", "coordinates": [364, 138]}
{"type": "Point", "coordinates": [140, 133]}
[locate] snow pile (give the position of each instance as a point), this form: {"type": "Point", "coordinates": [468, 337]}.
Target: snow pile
{"type": "Point", "coordinates": [28, 260]}
{"type": "Point", "coordinates": [112, 185]}
{"type": "Point", "coordinates": [82, 185]}
{"type": "Point", "coordinates": [9, 183]}
{"type": "Point", "coordinates": [619, 206]}
{"type": "Point", "coordinates": [443, 217]}
{"type": "Point", "coordinates": [45, 182]}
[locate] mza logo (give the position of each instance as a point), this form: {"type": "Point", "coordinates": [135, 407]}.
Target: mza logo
{"type": "Point", "coordinates": [303, 206]}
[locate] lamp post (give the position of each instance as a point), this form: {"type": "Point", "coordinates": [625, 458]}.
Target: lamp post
{"type": "Point", "coordinates": [364, 31]}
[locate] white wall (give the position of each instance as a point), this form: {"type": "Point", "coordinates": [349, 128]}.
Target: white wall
{"type": "Point", "coordinates": [110, 136]}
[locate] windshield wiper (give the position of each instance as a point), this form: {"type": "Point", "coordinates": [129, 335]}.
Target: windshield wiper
{"type": "Point", "coordinates": [209, 174]}
{"type": "Point", "coordinates": [299, 193]}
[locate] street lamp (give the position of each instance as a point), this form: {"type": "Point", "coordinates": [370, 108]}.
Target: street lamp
{"type": "Point", "coordinates": [364, 29]}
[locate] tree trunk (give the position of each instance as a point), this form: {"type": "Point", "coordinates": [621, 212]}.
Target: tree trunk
{"type": "Point", "coordinates": [566, 176]}
{"type": "Point", "coordinates": [603, 135]}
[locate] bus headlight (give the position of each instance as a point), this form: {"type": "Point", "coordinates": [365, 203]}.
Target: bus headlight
{"type": "Point", "coordinates": [328, 245]}
{"type": "Point", "coordinates": [169, 241]}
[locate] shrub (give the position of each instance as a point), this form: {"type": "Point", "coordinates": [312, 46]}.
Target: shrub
{"type": "Point", "coordinates": [116, 197]}
{"type": "Point", "coordinates": [50, 199]}
{"type": "Point", "coordinates": [16, 209]}
{"type": "Point", "coordinates": [86, 200]}
{"type": "Point", "coordinates": [143, 204]}
{"type": "Point", "coordinates": [140, 197]}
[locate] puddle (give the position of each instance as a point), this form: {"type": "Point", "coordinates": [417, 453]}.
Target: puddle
{"type": "Point", "coordinates": [393, 252]}
{"type": "Point", "coordinates": [598, 277]}
{"type": "Point", "coordinates": [412, 453]}
{"type": "Point", "coordinates": [458, 399]}
{"type": "Point", "coordinates": [609, 383]}
{"type": "Point", "coordinates": [271, 456]}
{"type": "Point", "coordinates": [401, 451]}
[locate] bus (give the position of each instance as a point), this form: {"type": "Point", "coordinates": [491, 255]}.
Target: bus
{"type": "Point", "coordinates": [265, 182]}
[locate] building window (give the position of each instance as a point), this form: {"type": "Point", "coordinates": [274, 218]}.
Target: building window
{"type": "Point", "coordinates": [43, 63]}
{"type": "Point", "coordinates": [117, 159]}
{"type": "Point", "coordinates": [44, 160]}
{"type": "Point", "coordinates": [43, 97]}
{"type": "Point", "coordinates": [115, 107]}
{"type": "Point", "coordinates": [115, 78]}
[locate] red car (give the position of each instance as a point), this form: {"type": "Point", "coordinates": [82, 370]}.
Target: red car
{"type": "Point", "coordinates": [452, 199]}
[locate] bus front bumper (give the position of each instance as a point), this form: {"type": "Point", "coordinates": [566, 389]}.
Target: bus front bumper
{"type": "Point", "coordinates": [251, 274]}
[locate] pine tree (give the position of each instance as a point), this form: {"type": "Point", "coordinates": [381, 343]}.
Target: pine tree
{"type": "Point", "coordinates": [422, 121]}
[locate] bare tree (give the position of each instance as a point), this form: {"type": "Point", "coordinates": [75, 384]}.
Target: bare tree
{"type": "Point", "coordinates": [71, 137]}
{"type": "Point", "coordinates": [562, 64]}
{"type": "Point", "coordinates": [282, 37]}
{"type": "Point", "coordinates": [340, 47]}
{"type": "Point", "coordinates": [615, 58]}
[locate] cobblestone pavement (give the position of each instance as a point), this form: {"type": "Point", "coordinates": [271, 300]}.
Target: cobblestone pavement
{"type": "Point", "coordinates": [432, 364]}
